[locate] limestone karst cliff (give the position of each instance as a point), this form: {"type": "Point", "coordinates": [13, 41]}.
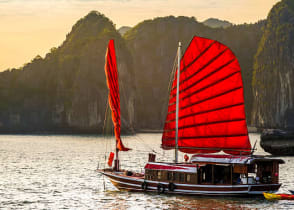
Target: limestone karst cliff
{"type": "Point", "coordinates": [66, 91]}
{"type": "Point", "coordinates": [273, 77]}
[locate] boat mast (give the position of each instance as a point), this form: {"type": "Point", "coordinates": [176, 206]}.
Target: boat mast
{"type": "Point", "coordinates": [116, 161]}
{"type": "Point", "coordinates": [177, 103]}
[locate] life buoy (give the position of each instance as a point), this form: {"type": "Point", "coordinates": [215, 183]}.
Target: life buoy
{"type": "Point", "coordinates": [171, 186]}
{"type": "Point", "coordinates": [144, 186]}
{"type": "Point", "coordinates": [160, 188]}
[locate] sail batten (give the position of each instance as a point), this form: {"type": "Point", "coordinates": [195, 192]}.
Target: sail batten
{"type": "Point", "coordinates": [204, 112]}
{"type": "Point", "coordinates": [207, 77]}
{"type": "Point", "coordinates": [211, 102]}
{"type": "Point", "coordinates": [203, 88]}
{"type": "Point", "coordinates": [206, 99]}
{"type": "Point", "coordinates": [201, 69]}
{"type": "Point", "coordinates": [195, 59]}
{"type": "Point", "coordinates": [113, 97]}
{"type": "Point", "coordinates": [207, 123]}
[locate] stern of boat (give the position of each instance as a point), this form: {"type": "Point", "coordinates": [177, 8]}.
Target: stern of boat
{"type": "Point", "coordinates": [260, 188]}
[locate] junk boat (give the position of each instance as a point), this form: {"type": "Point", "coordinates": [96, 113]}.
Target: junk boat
{"type": "Point", "coordinates": [205, 119]}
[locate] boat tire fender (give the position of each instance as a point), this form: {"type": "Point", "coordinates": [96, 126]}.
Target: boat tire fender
{"type": "Point", "coordinates": [171, 186]}
{"type": "Point", "coordinates": [144, 186]}
{"type": "Point", "coordinates": [160, 188]}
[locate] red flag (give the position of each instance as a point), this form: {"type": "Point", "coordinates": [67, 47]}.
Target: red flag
{"type": "Point", "coordinates": [110, 159]}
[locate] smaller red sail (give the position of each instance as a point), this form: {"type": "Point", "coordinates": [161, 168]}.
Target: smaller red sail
{"type": "Point", "coordinates": [113, 97]}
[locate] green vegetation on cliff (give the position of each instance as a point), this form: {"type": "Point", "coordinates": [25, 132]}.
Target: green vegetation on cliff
{"type": "Point", "coordinates": [273, 76]}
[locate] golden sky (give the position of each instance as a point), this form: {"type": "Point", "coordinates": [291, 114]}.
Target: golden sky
{"type": "Point", "coordinates": [32, 27]}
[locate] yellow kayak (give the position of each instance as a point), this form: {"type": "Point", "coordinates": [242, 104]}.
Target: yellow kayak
{"type": "Point", "coordinates": [272, 196]}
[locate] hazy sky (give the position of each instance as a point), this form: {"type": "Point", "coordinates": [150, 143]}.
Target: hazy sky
{"type": "Point", "coordinates": [31, 27]}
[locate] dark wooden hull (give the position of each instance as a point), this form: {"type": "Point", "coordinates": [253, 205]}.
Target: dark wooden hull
{"type": "Point", "coordinates": [130, 183]}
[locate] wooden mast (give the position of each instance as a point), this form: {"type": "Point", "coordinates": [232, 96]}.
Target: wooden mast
{"type": "Point", "coordinates": [177, 103]}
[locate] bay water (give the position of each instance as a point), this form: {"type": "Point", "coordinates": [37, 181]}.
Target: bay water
{"type": "Point", "coordinates": [59, 172]}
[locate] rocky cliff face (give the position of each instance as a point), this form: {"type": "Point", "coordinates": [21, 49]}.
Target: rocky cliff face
{"type": "Point", "coordinates": [273, 77]}
{"type": "Point", "coordinates": [66, 91]}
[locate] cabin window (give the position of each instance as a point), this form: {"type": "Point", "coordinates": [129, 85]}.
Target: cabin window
{"type": "Point", "coordinates": [175, 176]}
{"type": "Point", "coordinates": [169, 175]}
{"type": "Point", "coordinates": [265, 172]}
{"type": "Point", "coordinates": [221, 174]}
{"type": "Point", "coordinates": [252, 168]}
{"type": "Point", "coordinates": [151, 174]}
{"type": "Point", "coordinates": [159, 174]}
{"type": "Point", "coordinates": [188, 178]}
{"type": "Point", "coordinates": [147, 171]}
{"type": "Point", "coordinates": [206, 174]}
{"type": "Point", "coordinates": [182, 177]}
{"type": "Point", "coordinates": [237, 179]}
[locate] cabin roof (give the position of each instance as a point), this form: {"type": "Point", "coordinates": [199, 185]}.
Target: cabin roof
{"type": "Point", "coordinates": [231, 159]}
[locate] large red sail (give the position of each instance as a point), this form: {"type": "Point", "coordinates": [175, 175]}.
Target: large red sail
{"type": "Point", "coordinates": [113, 97]}
{"type": "Point", "coordinates": [211, 102]}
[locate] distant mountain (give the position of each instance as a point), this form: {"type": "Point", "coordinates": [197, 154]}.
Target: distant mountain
{"type": "Point", "coordinates": [273, 78]}
{"type": "Point", "coordinates": [66, 91]}
{"type": "Point", "coordinates": [122, 30]}
{"type": "Point", "coordinates": [216, 23]}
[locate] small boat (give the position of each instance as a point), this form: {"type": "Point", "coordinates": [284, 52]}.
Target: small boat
{"type": "Point", "coordinates": [206, 115]}
{"type": "Point", "coordinates": [272, 196]}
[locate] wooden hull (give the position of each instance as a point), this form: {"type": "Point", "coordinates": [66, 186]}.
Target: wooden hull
{"type": "Point", "coordinates": [130, 183]}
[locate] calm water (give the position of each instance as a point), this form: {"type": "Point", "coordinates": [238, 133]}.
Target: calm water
{"type": "Point", "coordinates": [58, 172]}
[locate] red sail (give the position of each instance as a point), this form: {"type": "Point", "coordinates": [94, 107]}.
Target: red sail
{"type": "Point", "coordinates": [113, 97]}
{"type": "Point", "coordinates": [211, 102]}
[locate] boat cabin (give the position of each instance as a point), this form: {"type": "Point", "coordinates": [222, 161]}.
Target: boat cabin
{"type": "Point", "coordinates": [217, 170]}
